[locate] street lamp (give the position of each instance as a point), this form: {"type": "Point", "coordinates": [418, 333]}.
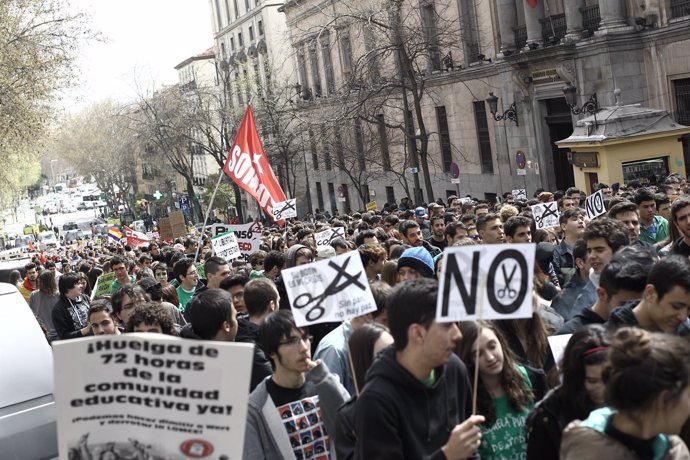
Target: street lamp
{"type": "Point", "coordinates": [591, 106]}
{"type": "Point", "coordinates": [509, 114]}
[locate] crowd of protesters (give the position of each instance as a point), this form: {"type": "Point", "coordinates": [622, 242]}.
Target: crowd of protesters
{"type": "Point", "coordinates": [398, 384]}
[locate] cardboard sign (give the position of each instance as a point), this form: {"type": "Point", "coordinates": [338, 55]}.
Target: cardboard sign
{"type": "Point", "coordinates": [325, 237]}
{"type": "Point", "coordinates": [225, 246]}
{"type": "Point", "coordinates": [248, 236]}
{"type": "Point", "coordinates": [520, 194]}
{"type": "Point", "coordinates": [334, 289]}
{"type": "Point", "coordinates": [372, 206]}
{"type": "Point", "coordinates": [595, 205]}
{"type": "Point", "coordinates": [285, 209]}
{"type": "Point", "coordinates": [151, 396]}
{"type": "Point", "coordinates": [557, 343]}
{"type": "Point", "coordinates": [546, 215]}
{"type": "Point", "coordinates": [104, 284]}
{"type": "Point", "coordinates": [488, 281]}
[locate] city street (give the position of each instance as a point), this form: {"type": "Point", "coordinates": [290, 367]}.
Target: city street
{"type": "Point", "coordinates": [26, 215]}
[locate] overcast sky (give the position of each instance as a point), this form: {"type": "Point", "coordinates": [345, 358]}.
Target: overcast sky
{"type": "Point", "coordinates": [144, 41]}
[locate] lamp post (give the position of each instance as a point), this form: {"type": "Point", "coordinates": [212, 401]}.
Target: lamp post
{"type": "Point", "coordinates": [509, 114]}
{"type": "Point", "coordinates": [570, 93]}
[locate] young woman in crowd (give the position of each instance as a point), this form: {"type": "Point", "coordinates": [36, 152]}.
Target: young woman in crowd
{"type": "Point", "coordinates": [581, 391]}
{"type": "Point", "coordinates": [506, 390]}
{"type": "Point", "coordinates": [648, 392]}
{"type": "Point", "coordinates": [44, 299]}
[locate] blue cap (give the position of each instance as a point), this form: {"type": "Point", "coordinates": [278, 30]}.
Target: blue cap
{"type": "Point", "coordinates": [420, 212]}
{"type": "Point", "coordinates": [419, 259]}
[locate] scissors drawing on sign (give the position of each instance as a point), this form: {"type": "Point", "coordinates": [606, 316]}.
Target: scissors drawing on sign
{"type": "Point", "coordinates": [507, 290]}
{"type": "Point", "coordinates": [289, 204]}
{"type": "Point", "coordinates": [549, 211]}
{"type": "Point", "coordinates": [316, 310]}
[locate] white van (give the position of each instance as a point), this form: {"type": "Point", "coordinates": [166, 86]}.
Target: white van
{"type": "Point", "coordinates": [28, 428]}
{"type": "Point", "coordinates": [47, 240]}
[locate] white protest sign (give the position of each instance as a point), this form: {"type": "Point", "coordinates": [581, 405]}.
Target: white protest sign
{"type": "Point", "coordinates": [151, 396]}
{"type": "Point", "coordinates": [488, 281]}
{"type": "Point", "coordinates": [225, 246]}
{"type": "Point", "coordinates": [248, 236]}
{"type": "Point", "coordinates": [595, 205]}
{"type": "Point", "coordinates": [285, 209]}
{"type": "Point", "coordinates": [325, 237]}
{"type": "Point", "coordinates": [519, 194]}
{"type": "Point", "coordinates": [557, 343]}
{"type": "Point", "coordinates": [546, 214]}
{"type": "Point", "coordinates": [329, 290]}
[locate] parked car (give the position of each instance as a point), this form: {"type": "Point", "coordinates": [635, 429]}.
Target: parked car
{"type": "Point", "coordinates": [69, 208]}
{"type": "Point", "coordinates": [71, 225]}
{"type": "Point", "coordinates": [28, 427]}
{"type": "Point", "coordinates": [84, 205]}
{"type": "Point", "coordinates": [47, 240]}
{"type": "Point", "coordinates": [73, 236]}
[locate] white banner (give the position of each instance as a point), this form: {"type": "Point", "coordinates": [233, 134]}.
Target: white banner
{"type": "Point", "coordinates": [225, 246]}
{"type": "Point", "coordinates": [248, 236]}
{"type": "Point", "coordinates": [331, 290]}
{"type": "Point", "coordinates": [325, 237]}
{"type": "Point", "coordinates": [149, 396]}
{"type": "Point", "coordinates": [519, 194]}
{"type": "Point", "coordinates": [488, 281]}
{"type": "Point", "coordinates": [546, 214]}
{"type": "Point", "coordinates": [285, 209]}
{"type": "Point", "coordinates": [595, 205]}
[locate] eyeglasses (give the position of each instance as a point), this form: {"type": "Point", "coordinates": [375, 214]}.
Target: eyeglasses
{"type": "Point", "coordinates": [192, 273]}
{"type": "Point", "coordinates": [292, 341]}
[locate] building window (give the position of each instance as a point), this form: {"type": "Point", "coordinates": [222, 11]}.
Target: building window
{"type": "Point", "coordinates": [429, 20]}
{"type": "Point", "coordinates": [260, 27]}
{"type": "Point", "coordinates": [232, 44]}
{"type": "Point", "coordinates": [345, 53]}
{"type": "Point", "coordinates": [326, 149]}
{"type": "Point", "coordinates": [470, 33]}
{"type": "Point", "coordinates": [219, 16]}
{"type": "Point", "coordinates": [680, 8]}
{"type": "Point", "coordinates": [319, 196]}
{"type": "Point", "coordinates": [315, 76]}
{"type": "Point", "coordinates": [359, 143]}
{"type": "Point", "coordinates": [339, 149]}
{"type": "Point", "coordinates": [246, 5]}
{"type": "Point", "coordinates": [302, 69]}
{"type": "Point", "coordinates": [681, 90]}
{"type": "Point", "coordinates": [390, 194]}
{"type": "Point", "coordinates": [328, 66]}
{"type": "Point", "coordinates": [312, 149]}
{"type": "Point", "coordinates": [383, 142]}
{"type": "Point", "coordinates": [483, 137]}
{"type": "Point", "coordinates": [237, 9]}
{"type": "Point", "coordinates": [446, 151]}
{"type": "Point", "coordinates": [240, 40]}
{"type": "Point", "coordinates": [251, 34]}
{"type": "Point", "coordinates": [331, 194]}
{"type": "Point", "coordinates": [372, 51]}
{"type": "Point", "coordinates": [345, 193]}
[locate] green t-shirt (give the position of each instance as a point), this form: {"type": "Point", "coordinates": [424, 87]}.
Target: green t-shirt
{"type": "Point", "coordinates": [184, 297]}
{"type": "Point", "coordinates": [506, 439]}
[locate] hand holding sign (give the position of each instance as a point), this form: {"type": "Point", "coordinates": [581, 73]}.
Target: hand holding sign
{"type": "Point", "coordinates": [595, 205]}
{"type": "Point", "coordinates": [546, 215]}
{"type": "Point", "coordinates": [285, 209]}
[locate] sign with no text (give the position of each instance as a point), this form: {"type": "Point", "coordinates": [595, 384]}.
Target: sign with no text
{"type": "Point", "coordinates": [486, 282]}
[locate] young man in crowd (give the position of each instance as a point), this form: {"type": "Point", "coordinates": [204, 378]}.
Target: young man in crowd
{"type": "Point", "coordinates": [234, 285]}
{"type": "Point", "coordinates": [417, 399]}
{"type": "Point", "coordinates": [680, 213]}
{"type": "Point", "coordinates": [574, 194]}
{"type": "Point", "coordinates": [438, 228]}
{"type": "Point", "coordinates": [490, 229]}
{"type": "Point", "coordinates": [412, 235]}
{"type": "Point", "coordinates": [122, 278]}
{"type": "Point", "coordinates": [101, 318]}
{"type": "Point", "coordinates": [626, 212]}
{"type": "Point", "coordinates": [604, 236]}
{"type": "Point", "coordinates": [151, 317]}
{"type": "Point", "coordinates": [415, 263]}
{"type": "Point", "coordinates": [454, 232]}
{"type": "Point", "coordinates": [373, 258]}
{"type": "Point", "coordinates": [187, 277]}
{"type": "Point", "coordinates": [578, 293]}
{"type": "Point", "coordinates": [572, 223]}
{"type": "Point", "coordinates": [273, 264]}
{"type": "Point", "coordinates": [518, 229]}
{"type": "Point", "coordinates": [30, 283]}
{"type": "Point", "coordinates": [292, 413]}
{"type": "Point", "coordinates": [216, 269]}
{"type": "Point", "coordinates": [653, 229]}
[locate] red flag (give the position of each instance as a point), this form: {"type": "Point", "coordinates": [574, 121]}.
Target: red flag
{"type": "Point", "coordinates": [134, 238]}
{"type": "Point", "coordinates": [247, 165]}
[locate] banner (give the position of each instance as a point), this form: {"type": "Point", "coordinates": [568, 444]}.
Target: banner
{"type": "Point", "coordinates": [225, 246]}
{"type": "Point", "coordinates": [285, 209]}
{"type": "Point", "coordinates": [342, 284]}
{"type": "Point", "coordinates": [546, 215]}
{"type": "Point", "coordinates": [325, 237]}
{"type": "Point", "coordinates": [135, 238]}
{"type": "Point", "coordinates": [146, 396]}
{"type": "Point", "coordinates": [486, 281]}
{"type": "Point", "coordinates": [247, 165]}
{"type": "Point", "coordinates": [248, 236]}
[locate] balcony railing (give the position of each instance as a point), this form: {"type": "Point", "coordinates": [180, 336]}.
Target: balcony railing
{"type": "Point", "coordinates": [520, 37]}
{"type": "Point", "coordinates": [590, 19]}
{"type": "Point", "coordinates": [553, 29]}
{"type": "Point", "coordinates": [680, 8]}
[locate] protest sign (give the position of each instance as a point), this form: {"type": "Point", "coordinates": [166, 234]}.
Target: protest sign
{"type": "Point", "coordinates": [285, 209]}
{"type": "Point", "coordinates": [486, 282]}
{"type": "Point", "coordinates": [594, 205]}
{"type": "Point", "coordinates": [151, 396]}
{"type": "Point", "coordinates": [104, 284]}
{"type": "Point", "coordinates": [557, 343]}
{"type": "Point", "coordinates": [200, 270]}
{"type": "Point", "coordinates": [519, 194]}
{"type": "Point", "coordinates": [546, 214]}
{"type": "Point", "coordinates": [225, 246]}
{"type": "Point", "coordinates": [325, 237]}
{"type": "Point", "coordinates": [372, 206]}
{"type": "Point", "coordinates": [334, 289]}
{"type": "Point", "coordinates": [248, 236]}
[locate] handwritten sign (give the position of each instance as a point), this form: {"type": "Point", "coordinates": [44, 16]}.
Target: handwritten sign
{"type": "Point", "coordinates": [225, 245]}
{"type": "Point", "coordinates": [594, 205]}
{"type": "Point", "coordinates": [486, 282]}
{"type": "Point", "coordinates": [285, 209]}
{"type": "Point", "coordinates": [248, 236]}
{"type": "Point", "coordinates": [372, 206]}
{"type": "Point", "coordinates": [325, 237]}
{"type": "Point", "coordinates": [151, 396]}
{"type": "Point", "coordinates": [335, 289]}
{"type": "Point", "coordinates": [546, 215]}
{"type": "Point", "coordinates": [104, 284]}
{"type": "Point", "coordinates": [519, 194]}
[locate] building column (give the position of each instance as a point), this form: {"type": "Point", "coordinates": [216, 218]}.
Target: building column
{"type": "Point", "coordinates": [534, 11]}
{"type": "Point", "coordinates": [507, 20]}
{"type": "Point", "coordinates": [612, 16]}
{"type": "Point", "coordinates": [573, 19]}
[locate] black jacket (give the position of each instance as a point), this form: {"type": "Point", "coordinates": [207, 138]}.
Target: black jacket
{"type": "Point", "coordinates": [402, 418]}
{"type": "Point", "coordinates": [70, 316]}
{"type": "Point", "coordinates": [582, 319]}
{"type": "Point", "coordinates": [622, 316]}
{"type": "Point", "coordinates": [545, 425]}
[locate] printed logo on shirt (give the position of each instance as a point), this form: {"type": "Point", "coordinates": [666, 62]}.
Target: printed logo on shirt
{"type": "Point", "coordinates": [304, 425]}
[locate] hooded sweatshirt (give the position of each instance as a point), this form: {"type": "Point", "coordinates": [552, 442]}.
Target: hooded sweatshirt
{"type": "Point", "coordinates": [402, 417]}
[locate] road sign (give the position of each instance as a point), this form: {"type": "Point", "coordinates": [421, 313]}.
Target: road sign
{"type": "Point", "coordinates": [454, 170]}
{"type": "Point", "coordinates": [412, 170]}
{"type": "Point", "coordinates": [520, 159]}
{"type": "Point", "coordinates": [455, 181]}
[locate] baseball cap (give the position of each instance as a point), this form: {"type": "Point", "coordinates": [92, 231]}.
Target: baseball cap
{"type": "Point", "coordinates": [420, 212]}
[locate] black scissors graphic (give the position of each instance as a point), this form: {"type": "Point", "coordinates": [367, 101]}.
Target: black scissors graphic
{"type": "Point", "coordinates": [314, 303]}
{"type": "Point", "coordinates": [289, 204]}
{"type": "Point", "coordinates": [548, 211]}
{"type": "Point", "coordinates": [507, 290]}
